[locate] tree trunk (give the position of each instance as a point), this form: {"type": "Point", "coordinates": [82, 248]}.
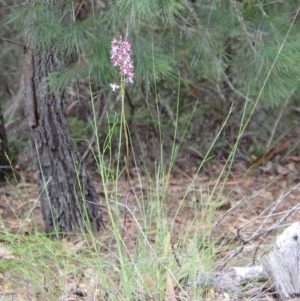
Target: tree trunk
{"type": "Point", "coordinates": [68, 199]}
{"type": "Point", "coordinates": [4, 163]}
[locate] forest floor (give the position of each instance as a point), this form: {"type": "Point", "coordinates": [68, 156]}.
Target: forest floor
{"type": "Point", "coordinates": [238, 201]}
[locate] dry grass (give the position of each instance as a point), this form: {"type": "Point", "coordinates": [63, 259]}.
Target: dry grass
{"type": "Point", "coordinates": [150, 228]}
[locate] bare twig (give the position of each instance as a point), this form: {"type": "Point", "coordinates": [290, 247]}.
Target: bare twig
{"type": "Point", "coordinates": [277, 120]}
{"type": "Point", "coordinates": [261, 233]}
{"type": "Point", "coordinates": [275, 205]}
{"type": "Point", "coordinates": [228, 212]}
{"type": "Point", "coordinates": [220, 91]}
{"type": "Point", "coordinates": [12, 42]}
{"type": "Point", "coordinates": [230, 256]}
{"type": "Point", "coordinates": [242, 23]}
{"type": "Point", "coordinates": [260, 5]}
{"type": "Point", "coordinates": [279, 222]}
{"type": "Point", "coordinates": [262, 214]}
{"type": "Point", "coordinates": [232, 88]}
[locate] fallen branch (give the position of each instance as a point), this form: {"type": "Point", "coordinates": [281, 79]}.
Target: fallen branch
{"type": "Point", "coordinates": [279, 269]}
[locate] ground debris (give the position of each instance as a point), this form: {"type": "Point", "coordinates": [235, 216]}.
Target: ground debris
{"type": "Point", "coordinates": [283, 263]}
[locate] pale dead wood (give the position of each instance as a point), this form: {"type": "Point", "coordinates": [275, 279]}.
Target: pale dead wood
{"type": "Point", "coordinates": [282, 265]}
{"type": "Point", "coordinates": [279, 269]}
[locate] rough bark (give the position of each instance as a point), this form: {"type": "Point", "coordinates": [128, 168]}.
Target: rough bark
{"type": "Point", "coordinates": [4, 164]}
{"type": "Point", "coordinates": [68, 199]}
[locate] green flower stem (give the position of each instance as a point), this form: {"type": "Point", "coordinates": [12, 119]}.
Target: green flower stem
{"type": "Point", "coordinates": [122, 91]}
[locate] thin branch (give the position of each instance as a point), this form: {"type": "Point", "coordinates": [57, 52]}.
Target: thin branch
{"type": "Point", "coordinates": [228, 212]}
{"type": "Point", "coordinates": [279, 222]}
{"type": "Point", "coordinates": [265, 215]}
{"type": "Point", "coordinates": [277, 120]}
{"type": "Point", "coordinates": [232, 88]}
{"type": "Point", "coordinates": [242, 23]}
{"type": "Point", "coordinates": [12, 42]}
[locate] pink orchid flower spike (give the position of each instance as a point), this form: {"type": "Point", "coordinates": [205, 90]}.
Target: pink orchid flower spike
{"type": "Point", "coordinates": [121, 57]}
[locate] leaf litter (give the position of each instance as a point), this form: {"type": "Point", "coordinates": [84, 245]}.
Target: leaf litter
{"type": "Point", "coordinates": [248, 194]}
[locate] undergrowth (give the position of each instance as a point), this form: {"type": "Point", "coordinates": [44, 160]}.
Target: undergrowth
{"type": "Point", "coordinates": [146, 252]}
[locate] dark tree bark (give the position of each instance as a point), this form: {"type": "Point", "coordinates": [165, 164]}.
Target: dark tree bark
{"type": "Point", "coordinates": [68, 199]}
{"type": "Point", "coordinates": [4, 164]}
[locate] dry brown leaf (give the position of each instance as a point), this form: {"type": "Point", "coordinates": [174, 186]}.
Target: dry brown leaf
{"type": "Point", "coordinates": [270, 154]}
{"type": "Point", "coordinates": [148, 280]}
{"type": "Point", "coordinates": [73, 104]}
{"type": "Point", "coordinates": [170, 292]}
{"type": "Point", "coordinates": [269, 298]}
{"type": "Point", "coordinates": [70, 91]}
{"type": "Point", "coordinates": [282, 170]}
{"type": "Point", "coordinates": [267, 195]}
{"type": "Point", "coordinates": [5, 253]}
{"type": "Point", "coordinates": [292, 167]}
{"type": "Point", "coordinates": [248, 183]}
{"type": "Point", "coordinates": [77, 247]}
{"type": "Point", "coordinates": [91, 277]}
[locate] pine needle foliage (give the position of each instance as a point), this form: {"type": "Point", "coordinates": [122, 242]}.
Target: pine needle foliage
{"type": "Point", "coordinates": [39, 24]}
{"type": "Point", "coordinates": [254, 44]}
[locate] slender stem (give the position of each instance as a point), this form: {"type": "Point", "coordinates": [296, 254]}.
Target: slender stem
{"type": "Point", "coordinates": [125, 124]}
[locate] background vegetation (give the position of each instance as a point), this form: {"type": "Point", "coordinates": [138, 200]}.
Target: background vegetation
{"type": "Point", "coordinates": [215, 92]}
{"type": "Point", "coordinates": [202, 56]}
